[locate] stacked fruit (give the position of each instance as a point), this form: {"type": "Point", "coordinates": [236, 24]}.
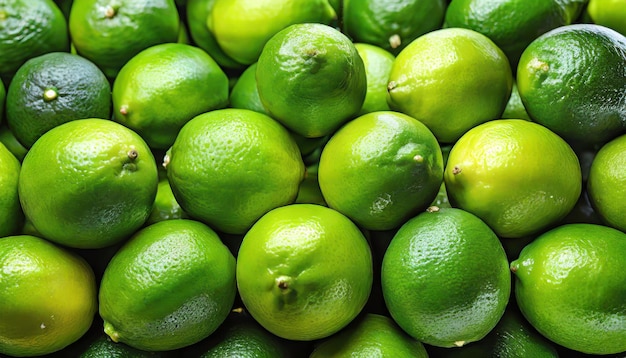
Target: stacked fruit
{"type": "Point", "coordinates": [273, 178]}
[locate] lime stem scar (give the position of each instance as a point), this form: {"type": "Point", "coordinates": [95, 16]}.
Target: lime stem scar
{"type": "Point", "coordinates": [456, 170]}
{"type": "Point", "coordinates": [132, 154]}
{"type": "Point", "coordinates": [50, 94]}
{"type": "Point", "coordinates": [395, 41]}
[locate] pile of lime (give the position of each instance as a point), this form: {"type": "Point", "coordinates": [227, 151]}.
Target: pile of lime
{"type": "Point", "coordinates": [312, 178]}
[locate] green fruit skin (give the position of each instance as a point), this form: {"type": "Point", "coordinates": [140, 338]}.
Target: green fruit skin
{"type": "Point", "coordinates": [11, 216]}
{"type": "Point", "coordinates": [171, 285]}
{"type": "Point", "coordinates": [245, 94]}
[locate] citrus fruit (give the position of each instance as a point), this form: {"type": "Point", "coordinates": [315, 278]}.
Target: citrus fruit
{"type": "Point", "coordinates": [198, 13]}
{"type": "Point", "coordinates": [11, 216]}
{"type": "Point", "coordinates": [88, 183]}
{"type": "Point", "coordinates": [391, 24]}
{"type": "Point", "coordinates": [512, 24]}
{"type": "Point", "coordinates": [309, 191]}
{"type": "Point", "coordinates": [587, 109]}
{"type": "Point", "coordinates": [104, 347]}
{"type": "Point", "coordinates": [606, 185]}
{"type": "Point", "coordinates": [3, 94]}
{"type": "Point", "coordinates": [242, 27]}
{"type": "Point", "coordinates": [13, 145]}
{"type": "Point", "coordinates": [609, 13]}
{"type": "Point", "coordinates": [381, 169]}
{"type": "Point", "coordinates": [445, 277]}
{"type": "Point", "coordinates": [506, 171]}
{"type": "Point", "coordinates": [29, 28]}
{"type": "Point", "coordinates": [165, 205]}
{"type": "Point", "coordinates": [228, 167]}
{"type": "Point", "coordinates": [465, 65]}
{"type": "Point", "coordinates": [569, 284]}
{"type": "Point", "coordinates": [371, 335]}
{"type": "Point", "coordinates": [514, 107]}
{"type": "Point", "coordinates": [111, 33]}
{"type": "Point", "coordinates": [378, 64]}
{"type": "Point", "coordinates": [52, 89]}
{"type": "Point", "coordinates": [311, 78]}
{"type": "Point", "coordinates": [304, 271]}
{"type": "Point", "coordinates": [245, 94]}
{"type": "Point", "coordinates": [161, 88]}
{"type": "Point", "coordinates": [171, 285]}
{"type": "Point", "coordinates": [48, 296]}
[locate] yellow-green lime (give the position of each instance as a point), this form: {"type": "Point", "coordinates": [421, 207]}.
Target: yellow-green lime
{"type": "Point", "coordinates": [466, 66]}
{"type": "Point", "coordinates": [569, 284]}
{"type": "Point", "coordinates": [606, 185]}
{"type": "Point", "coordinates": [309, 191]}
{"type": "Point", "coordinates": [109, 33]}
{"type": "Point", "coordinates": [198, 13]}
{"type": "Point", "coordinates": [228, 167]}
{"type": "Point", "coordinates": [3, 94]}
{"type": "Point", "coordinates": [52, 89]}
{"type": "Point", "coordinates": [48, 295]}
{"type": "Point", "coordinates": [378, 62]}
{"type": "Point", "coordinates": [609, 13]}
{"type": "Point", "coordinates": [29, 28]}
{"type": "Point", "coordinates": [171, 285]}
{"type": "Point", "coordinates": [242, 27]}
{"type": "Point", "coordinates": [512, 24]}
{"type": "Point", "coordinates": [371, 335]}
{"type": "Point", "coordinates": [514, 107]}
{"type": "Point", "coordinates": [245, 94]}
{"type": "Point", "coordinates": [507, 171]}
{"type": "Point", "coordinates": [304, 271]}
{"type": "Point", "coordinates": [161, 88]}
{"type": "Point", "coordinates": [588, 109]}
{"type": "Point", "coordinates": [391, 24]}
{"type": "Point", "coordinates": [165, 205]}
{"type": "Point", "coordinates": [88, 183]}
{"type": "Point", "coordinates": [311, 78]}
{"type": "Point", "coordinates": [445, 277]}
{"type": "Point", "coordinates": [11, 216]}
{"type": "Point", "coordinates": [13, 145]}
{"type": "Point", "coordinates": [381, 169]}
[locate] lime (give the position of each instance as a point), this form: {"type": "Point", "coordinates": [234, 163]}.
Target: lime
{"type": "Point", "coordinates": [609, 13]}
{"type": "Point", "coordinates": [506, 171]}
{"type": "Point", "coordinates": [13, 145]}
{"type": "Point", "coordinates": [309, 191]}
{"type": "Point", "coordinates": [606, 185]}
{"type": "Point", "coordinates": [88, 183]}
{"type": "Point", "coordinates": [587, 109]}
{"type": "Point", "coordinates": [245, 94]}
{"type": "Point", "coordinates": [104, 347]}
{"type": "Point", "coordinates": [161, 88]}
{"type": "Point", "coordinates": [242, 27]}
{"type": "Point", "coordinates": [311, 78]}
{"type": "Point", "coordinates": [467, 66]}
{"type": "Point", "coordinates": [11, 216]}
{"type": "Point", "coordinates": [109, 33]}
{"type": "Point", "coordinates": [371, 335]}
{"type": "Point", "coordinates": [48, 296]}
{"type": "Point", "coordinates": [29, 28]}
{"type": "Point", "coordinates": [3, 94]}
{"type": "Point", "coordinates": [391, 24]}
{"type": "Point", "coordinates": [304, 271]}
{"type": "Point", "coordinates": [378, 64]}
{"type": "Point", "coordinates": [381, 169]}
{"type": "Point", "coordinates": [514, 107]}
{"type": "Point", "coordinates": [52, 89]}
{"type": "Point", "coordinates": [165, 205]}
{"type": "Point", "coordinates": [445, 278]}
{"type": "Point", "coordinates": [569, 284]}
{"type": "Point", "coordinates": [512, 24]}
{"type": "Point", "coordinates": [228, 167]}
{"type": "Point", "coordinates": [171, 285]}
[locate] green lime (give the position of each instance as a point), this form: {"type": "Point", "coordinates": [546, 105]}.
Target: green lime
{"type": "Point", "coordinates": [171, 285]}
{"type": "Point", "coordinates": [161, 88]}
{"type": "Point", "coordinates": [378, 64]}
{"type": "Point", "coordinates": [304, 271]}
{"type": "Point", "coordinates": [514, 107]}
{"type": "Point", "coordinates": [587, 109]}
{"type": "Point", "coordinates": [228, 167]}
{"type": "Point", "coordinates": [512, 24]}
{"type": "Point", "coordinates": [309, 191]}
{"type": "Point", "coordinates": [109, 33]}
{"type": "Point", "coordinates": [29, 28]}
{"type": "Point", "coordinates": [11, 216]}
{"type": "Point", "coordinates": [104, 347]}
{"type": "Point", "coordinates": [311, 78]}
{"type": "Point", "coordinates": [609, 13]}
{"type": "Point", "coordinates": [445, 278]}
{"type": "Point", "coordinates": [48, 295]}
{"type": "Point", "coordinates": [13, 145]}
{"type": "Point", "coordinates": [52, 89]}
{"type": "Point", "coordinates": [371, 335]}
{"type": "Point", "coordinates": [381, 169]}
{"type": "Point", "coordinates": [391, 24]}
{"type": "Point", "coordinates": [165, 205]}
{"type": "Point", "coordinates": [466, 66]}
{"type": "Point", "coordinates": [242, 27]}
{"type": "Point", "coordinates": [569, 284]}
{"type": "Point", "coordinates": [606, 185]}
{"type": "Point", "coordinates": [3, 95]}
{"type": "Point", "coordinates": [88, 183]}
{"type": "Point", "coordinates": [245, 94]}
{"type": "Point", "coordinates": [505, 172]}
